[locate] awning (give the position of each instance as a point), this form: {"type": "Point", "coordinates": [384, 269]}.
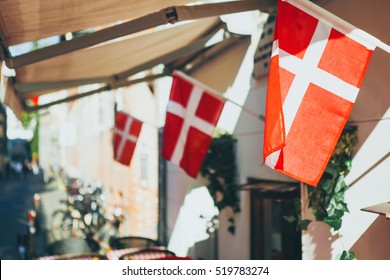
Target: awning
{"type": "Point", "coordinates": [9, 97]}
{"type": "Point", "coordinates": [381, 209]}
{"type": "Point", "coordinates": [30, 20]}
{"type": "Point", "coordinates": [108, 56]}
{"type": "Point", "coordinates": [119, 59]}
{"type": "Point", "coordinates": [218, 66]}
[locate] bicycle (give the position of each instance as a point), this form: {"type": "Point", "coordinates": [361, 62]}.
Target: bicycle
{"type": "Point", "coordinates": [84, 214]}
{"type": "Point", "coordinates": [110, 230]}
{"type": "Point", "coordinates": [67, 223]}
{"type": "Point", "coordinates": [92, 209]}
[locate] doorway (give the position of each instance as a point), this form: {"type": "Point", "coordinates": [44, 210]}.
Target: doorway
{"type": "Point", "coordinates": [272, 236]}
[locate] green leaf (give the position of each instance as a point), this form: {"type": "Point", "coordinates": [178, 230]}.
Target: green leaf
{"type": "Point", "coordinates": [333, 222]}
{"type": "Point", "coordinates": [344, 206]}
{"type": "Point", "coordinates": [338, 197]}
{"type": "Point", "coordinates": [219, 168]}
{"type": "Point", "coordinates": [327, 186]}
{"type": "Point", "coordinates": [319, 213]}
{"type": "Point", "coordinates": [338, 214]}
{"type": "Point", "coordinates": [232, 229]}
{"type": "Point", "coordinates": [327, 199]}
{"type": "Point", "coordinates": [347, 255]}
{"type": "Point", "coordinates": [297, 205]}
{"type": "Point", "coordinates": [332, 170]}
{"type": "Point", "coordinates": [303, 224]}
{"type": "Point", "coordinates": [348, 165]}
{"type": "Point", "coordinates": [290, 219]}
{"type": "Point", "coordinates": [341, 186]}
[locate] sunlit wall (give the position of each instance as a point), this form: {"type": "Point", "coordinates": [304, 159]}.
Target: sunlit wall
{"type": "Point", "coordinates": [367, 234]}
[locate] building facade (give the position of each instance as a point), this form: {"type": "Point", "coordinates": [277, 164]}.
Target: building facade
{"type": "Point", "coordinates": [261, 231]}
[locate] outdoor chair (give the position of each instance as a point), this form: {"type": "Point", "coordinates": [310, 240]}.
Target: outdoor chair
{"type": "Point", "coordinates": [148, 254]}
{"type": "Point", "coordinates": [73, 246]}
{"type": "Point", "coordinates": [132, 242]}
{"type": "Point", "coordinates": [82, 256]}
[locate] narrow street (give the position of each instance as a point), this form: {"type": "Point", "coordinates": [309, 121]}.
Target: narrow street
{"type": "Point", "coordinates": [16, 198]}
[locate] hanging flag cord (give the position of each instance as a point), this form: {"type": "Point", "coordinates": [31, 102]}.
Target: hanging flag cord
{"type": "Point", "coordinates": [370, 120]}
{"type": "Point", "coordinates": [248, 111]}
{"type": "Point", "coordinates": [257, 116]}
{"type": "Point", "coordinates": [218, 95]}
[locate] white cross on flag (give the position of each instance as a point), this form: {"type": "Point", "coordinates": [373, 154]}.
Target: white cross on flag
{"type": "Point", "coordinates": [192, 114]}
{"type": "Point", "coordinates": [126, 132]}
{"type": "Point", "coordinates": [317, 68]}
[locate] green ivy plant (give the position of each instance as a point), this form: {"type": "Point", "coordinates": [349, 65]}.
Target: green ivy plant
{"type": "Point", "coordinates": [219, 167]}
{"type": "Point", "coordinates": [327, 199]}
{"type": "Point", "coordinates": [31, 121]}
{"type": "Point", "coordinates": [346, 255]}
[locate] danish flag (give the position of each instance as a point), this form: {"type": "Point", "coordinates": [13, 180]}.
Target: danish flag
{"type": "Point", "coordinates": [127, 130]}
{"type": "Point", "coordinates": [317, 68]}
{"type": "Point", "coordinates": [192, 114]}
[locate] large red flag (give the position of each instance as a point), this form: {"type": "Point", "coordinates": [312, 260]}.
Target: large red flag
{"type": "Point", "coordinates": [192, 114]}
{"type": "Point", "coordinates": [317, 68]}
{"type": "Point", "coordinates": [127, 130]}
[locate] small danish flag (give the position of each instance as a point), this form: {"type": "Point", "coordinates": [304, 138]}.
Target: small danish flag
{"type": "Point", "coordinates": [192, 114]}
{"type": "Point", "coordinates": [127, 130]}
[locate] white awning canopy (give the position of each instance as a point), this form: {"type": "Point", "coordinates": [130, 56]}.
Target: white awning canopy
{"type": "Point", "coordinates": [30, 20]}
{"type": "Point", "coordinates": [114, 58]}
{"type": "Point", "coordinates": [123, 38]}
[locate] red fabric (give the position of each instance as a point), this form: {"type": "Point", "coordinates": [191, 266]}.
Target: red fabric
{"type": "Point", "coordinates": [34, 100]}
{"type": "Point", "coordinates": [127, 130]}
{"type": "Point", "coordinates": [192, 114]}
{"type": "Point", "coordinates": [171, 257]}
{"type": "Point", "coordinates": [305, 112]}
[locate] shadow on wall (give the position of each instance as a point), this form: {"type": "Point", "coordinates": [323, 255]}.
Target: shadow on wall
{"type": "Point", "coordinates": [369, 169]}
{"type": "Point", "coordinates": [371, 105]}
{"type": "Point", "coordinates": [317, 246]}
{"type": "Point", "coordinates": [374, 244]}
{"type": "Point", "coordinates": [192, 224]}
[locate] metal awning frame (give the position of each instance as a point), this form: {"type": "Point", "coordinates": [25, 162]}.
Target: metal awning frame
{"type": "Point", "coordinates": [170, 61]}
{"type": "Point", "coordinates": [194, 47]}
{"type": "Point", "coordinates": [92, 92]}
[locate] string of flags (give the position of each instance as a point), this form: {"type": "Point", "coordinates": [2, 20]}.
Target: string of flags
{"type": "Point", "coordinates": [192, 114]}
{"type": "Point", "coordinates": [317, 66]}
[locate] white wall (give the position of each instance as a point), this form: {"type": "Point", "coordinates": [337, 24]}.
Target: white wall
{"type": "Point", "coordinates": [189, 208]}
{"type": "Point", "coordinates": [365, 233]}
{"type": "Point", "coordinates": [359, 229]}
{"type": "Point", "coordinates": [218, 74]}
{"type": "Point", "coordinates": [249, 132]}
